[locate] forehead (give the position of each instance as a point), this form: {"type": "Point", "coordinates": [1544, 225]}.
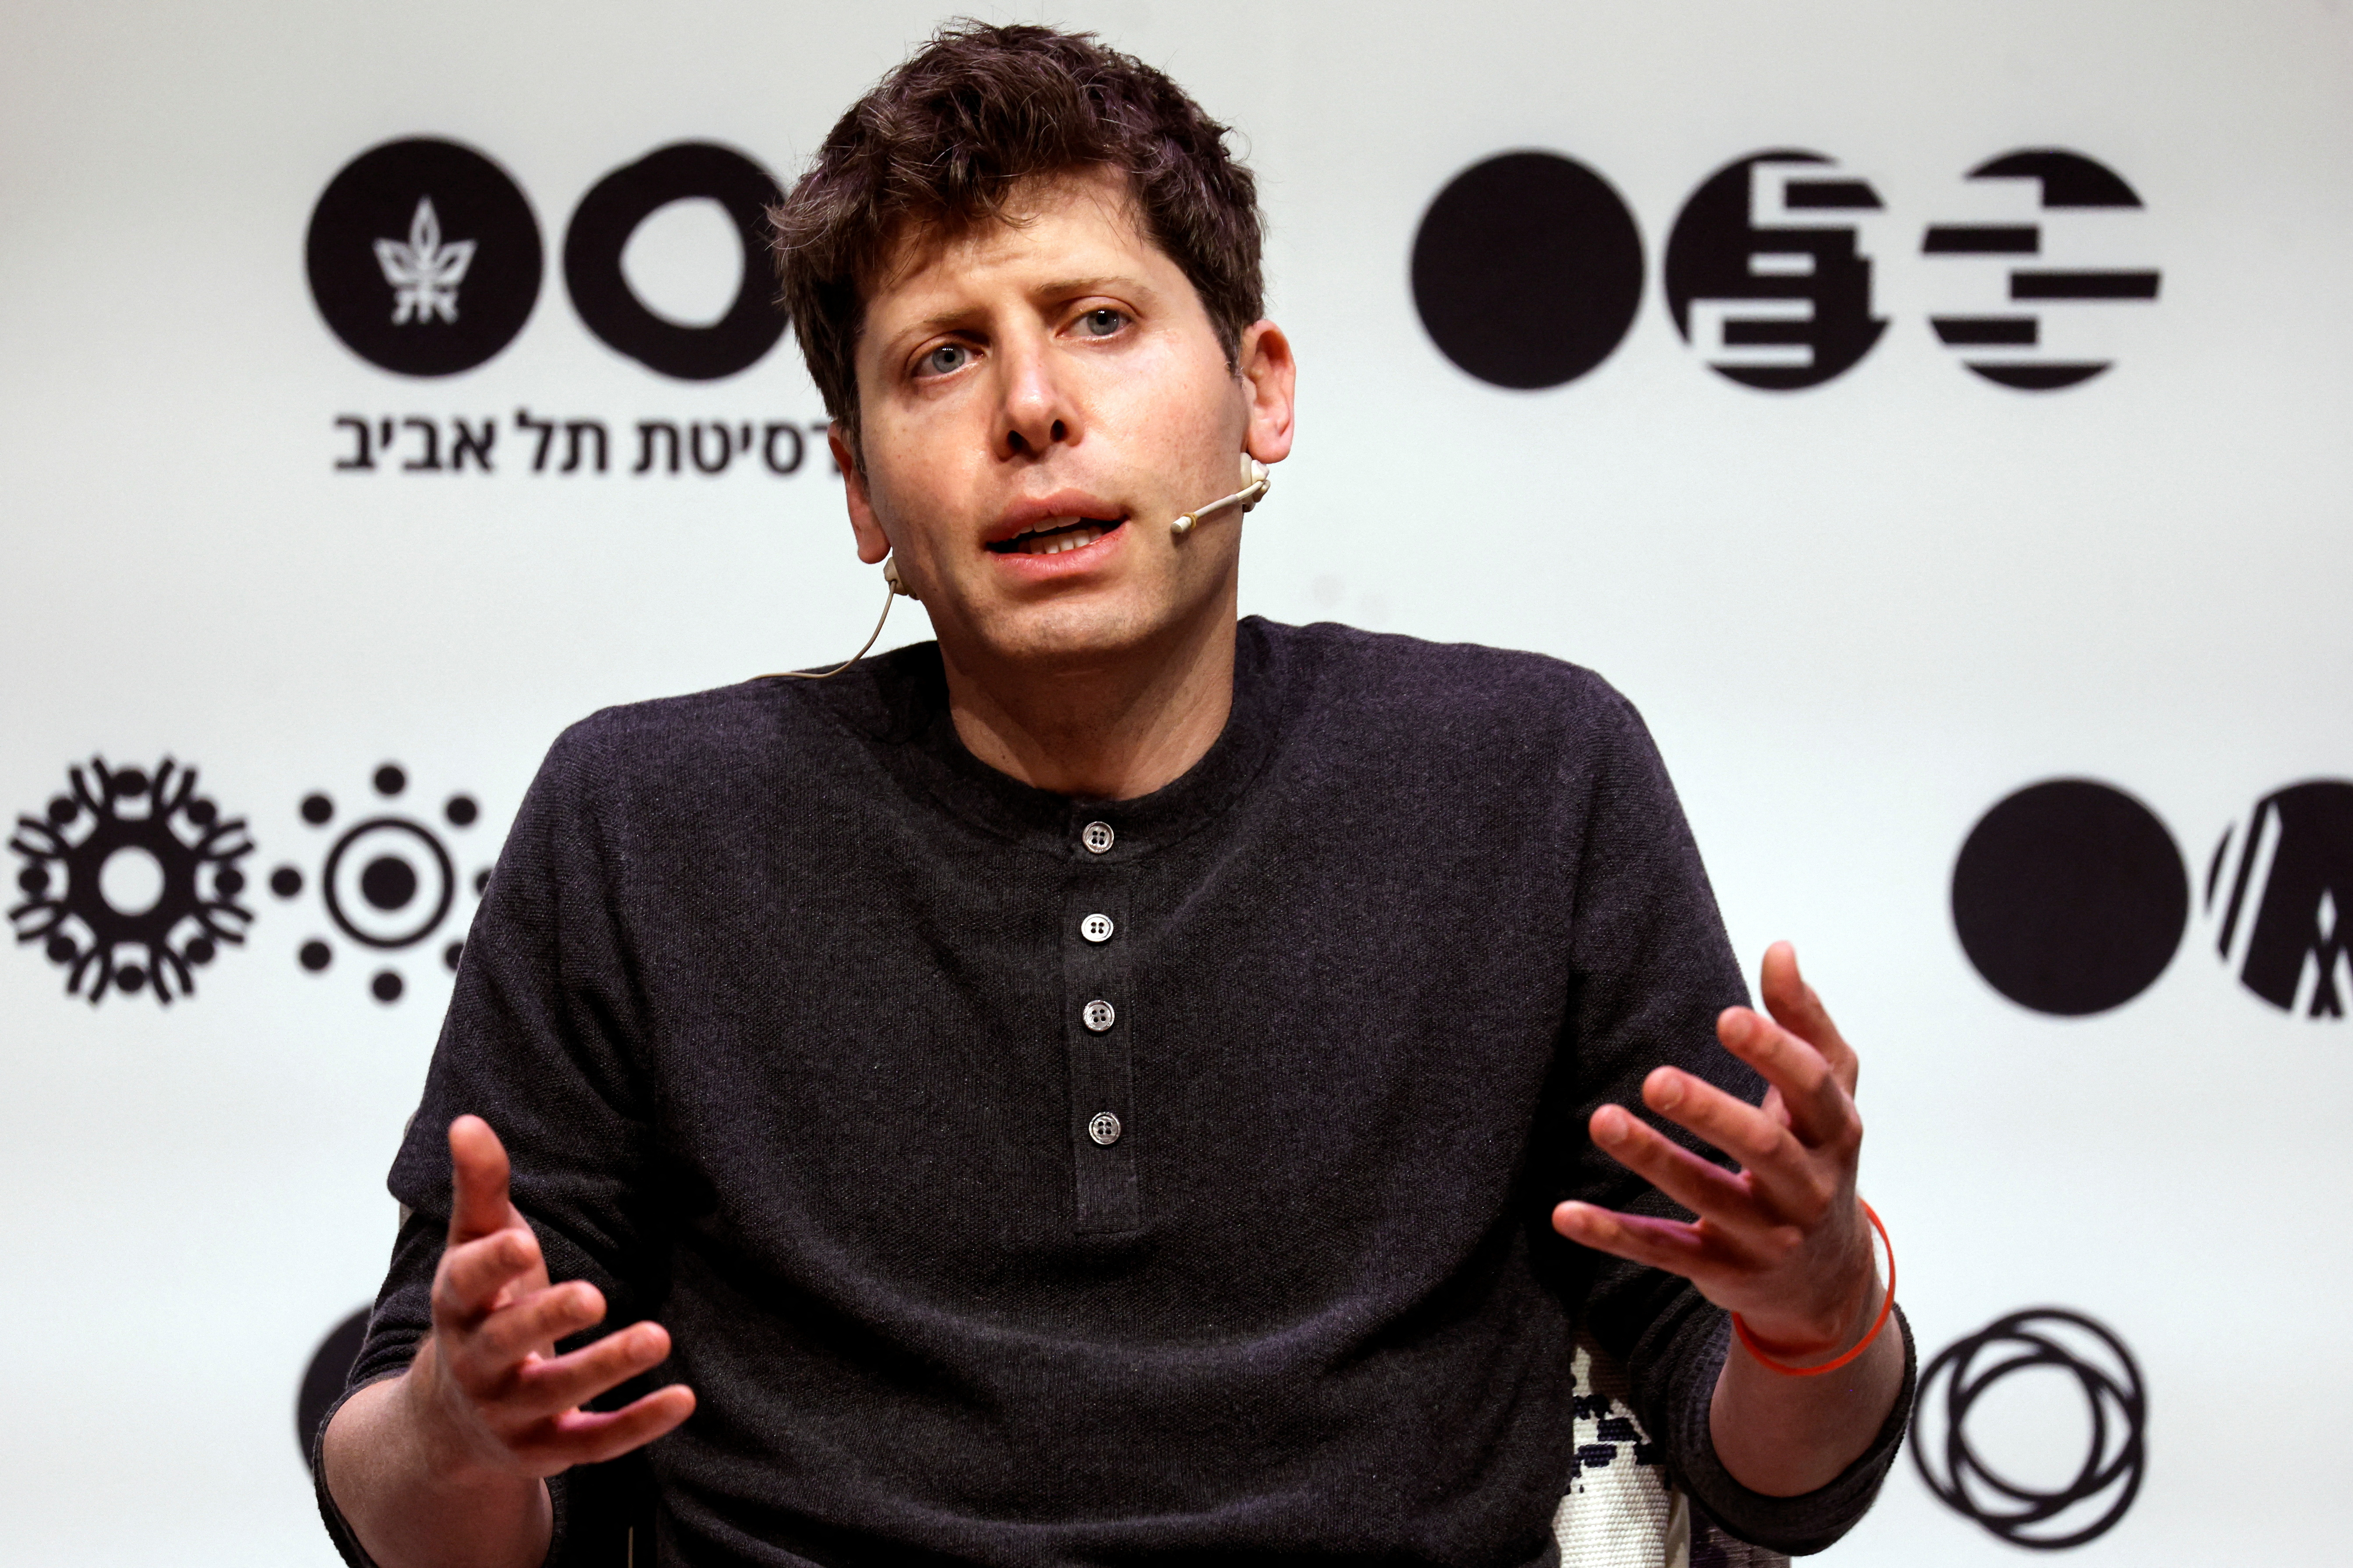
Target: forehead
{"type": "Point", "coordinates": [1077, 221]}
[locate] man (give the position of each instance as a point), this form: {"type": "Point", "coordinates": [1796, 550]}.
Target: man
{"type": "Point", "coordinates": [1118, 1084]}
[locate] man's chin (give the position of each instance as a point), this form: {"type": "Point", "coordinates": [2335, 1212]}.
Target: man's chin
{"type": "Point", "coordinates": [1072, 631]}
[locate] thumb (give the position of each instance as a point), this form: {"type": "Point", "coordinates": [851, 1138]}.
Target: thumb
{"type": "Point", "coordinates": [478, 1181]}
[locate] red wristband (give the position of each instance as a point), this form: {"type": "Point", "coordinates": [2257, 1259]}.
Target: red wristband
{"type": "Point", "coordinates": [1885, 1307]}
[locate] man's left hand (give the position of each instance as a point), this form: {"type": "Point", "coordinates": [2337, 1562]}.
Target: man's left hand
{"type": "Point", "coordinates": [1782, 1241]}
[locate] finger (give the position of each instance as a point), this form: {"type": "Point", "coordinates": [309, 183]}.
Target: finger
{"type": "Point", "coordinates": [1820, 1112]}
{"type": "Point", "coordinates": [1671, 1245]}
{"type": "Point", "coordinates": [1797, 1008]}
{"type": "Point", "coordinates": [467, 1285]}
{"type": "Point", "coordinates": [1703, 1187]}
{"type": "Point", "coordinates": [478, 1180]}
{"type": "Point", "coordinates": [592, 1437]}
{"type": "Point", "coordinates": [544, 1388]}
{"type": "Point", "coordinates": [1789, 1181]}
{"type": "Point", "coordinates": [536, 1322]}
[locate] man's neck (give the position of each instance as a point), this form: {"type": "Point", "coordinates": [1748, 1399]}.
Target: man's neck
{"type": "Point", "coordinates": [1111, 731]}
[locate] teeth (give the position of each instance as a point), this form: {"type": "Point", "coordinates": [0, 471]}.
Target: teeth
{"type": "Point", "coordinates": [1054, 544]}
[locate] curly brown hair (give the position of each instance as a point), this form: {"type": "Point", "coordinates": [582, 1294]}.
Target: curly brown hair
{"type": "Point", "coordinates": [942, 143]}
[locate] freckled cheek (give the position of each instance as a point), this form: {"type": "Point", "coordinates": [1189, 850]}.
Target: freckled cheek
{"type": "Point", "coordinates": [1162, 418]}
{"type": "Point", "coordinates": [924, 504]}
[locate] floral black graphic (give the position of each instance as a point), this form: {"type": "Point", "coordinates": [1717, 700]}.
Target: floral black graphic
{"type": "Point", "coordinates": [131, 881]}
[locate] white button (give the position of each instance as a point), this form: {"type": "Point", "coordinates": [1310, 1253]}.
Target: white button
{"type": "Point", "coordinates": [1099, 1015]}
{"type": "Point", "coordinates": [1097, 837]}
{"type": "Point", "coordinates": [1104, 1128]}
{"type": "Point", "coordinates": [1096, 928]}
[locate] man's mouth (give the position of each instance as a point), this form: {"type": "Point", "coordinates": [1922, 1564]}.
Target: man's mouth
{"type": "Point", "coordinates": [1054, 536]}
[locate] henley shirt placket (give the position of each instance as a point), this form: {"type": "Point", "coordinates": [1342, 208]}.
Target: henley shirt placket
{"type": "Point", "coordinates": [1099, 1020]}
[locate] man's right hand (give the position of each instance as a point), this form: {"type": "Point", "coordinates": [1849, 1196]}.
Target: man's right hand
{"type": "Point", "coordinates": [487, 1387]}
{"type": "Point", "coordinates": [447, 1463]}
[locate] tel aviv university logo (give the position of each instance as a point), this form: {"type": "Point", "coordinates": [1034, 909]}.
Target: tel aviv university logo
{"type": "Point", "coordinates": [425, 258]}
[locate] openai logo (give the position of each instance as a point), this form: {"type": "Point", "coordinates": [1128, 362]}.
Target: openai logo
{"type": "Point", "coordinates": [1991, 1433]}
{"type": "Point", "coordinates": [2036, 284]}
{"type": "Point", "coordinates": [2279, 890]}
{"type": "Point", "coordinates": [424, 257]}
{"type": "Point", "coordinates": [388, 883]}
{"type": "Point", "coordinates": [1765, 274]}
{"type": "Point", "coordinates": [131, 881]}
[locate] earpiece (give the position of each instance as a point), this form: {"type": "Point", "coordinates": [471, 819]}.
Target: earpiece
{"type": "Point", "coordinates": [897, 586]}
{"type": "Point", "coordinates": [1254, 487]}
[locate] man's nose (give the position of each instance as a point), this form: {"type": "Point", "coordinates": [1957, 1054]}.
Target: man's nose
{"type": "Point", "coordinates": [1038, 412]}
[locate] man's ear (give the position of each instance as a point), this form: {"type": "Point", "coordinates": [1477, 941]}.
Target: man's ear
{"type": "Point", "coordinates": [1266, 368]}
{"type": "Point", "coordinates": [873, 544]}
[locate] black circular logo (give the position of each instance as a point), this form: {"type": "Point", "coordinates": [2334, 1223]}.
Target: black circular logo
{"type": "Point", "coordinates": [1527, 270]}
{"type": "Point", "coordinates": [1766, 275]}
{"type": "Point", "coordinates": [611, 212]}
{"type": "Point", "coordinates": [324, 1379]}
{"type": "Point", "coordinates": [2047, 1519]}
{"type": "Point", "coordinates": [2284, 900]}
{"type": "Point", "coordinates": [424, 256]}
{"type": "Point", "coordinates": [2027, 283]}
{"type": "Point", "coordinates": [2070, 897]}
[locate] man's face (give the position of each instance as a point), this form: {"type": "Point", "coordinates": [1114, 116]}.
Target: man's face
{"type": "Point", "coordinates": [1038, 400]}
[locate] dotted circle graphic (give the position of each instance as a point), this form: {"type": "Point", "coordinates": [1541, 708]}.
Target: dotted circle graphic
{"type": "Point", "coordinates": [1527, 270]}
{"type": "Point", "coordinates": [324, 1379]}
{"type": "Point", "coordinates": [424, 256]}
{"type": "Point", "coordinates": [388, 884]}
{"type": "Point", "coordinates": [2103, 1485]}
{"type": "Point", "coordinates": [2070, 897]}
{"type": "Point", "coordinates": [611, 212]}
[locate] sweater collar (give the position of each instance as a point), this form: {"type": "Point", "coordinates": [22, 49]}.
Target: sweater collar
{"type": "Point", "coordinates": [904, 704]}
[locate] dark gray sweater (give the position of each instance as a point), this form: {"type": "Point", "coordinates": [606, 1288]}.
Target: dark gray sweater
{"type": "Point", "coordinates": [783, 1004]}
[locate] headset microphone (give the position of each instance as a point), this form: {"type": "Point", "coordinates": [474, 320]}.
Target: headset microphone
{"type": "Point", "coordinates": [1254, 487]}
{"type": "Point", "coordinates": [897, 586]}
{"type": "Point", "coordinates": [1255, 483]}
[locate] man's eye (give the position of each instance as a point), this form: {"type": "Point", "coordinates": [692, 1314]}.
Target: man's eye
{"type": "Point", "coordinates": [1103, 322]}
{"type": "Point", "coordinates": [946, 359]}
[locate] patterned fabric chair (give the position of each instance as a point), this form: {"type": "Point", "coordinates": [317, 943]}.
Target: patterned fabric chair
{"type": "Point", "coordinates": [1621, 1511]}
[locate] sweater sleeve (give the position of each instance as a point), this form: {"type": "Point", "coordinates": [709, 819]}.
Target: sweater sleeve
{"type": "Point", "coordinates": [1651, 967]}
{"type": "Point", "coordinates": [542, 1041]}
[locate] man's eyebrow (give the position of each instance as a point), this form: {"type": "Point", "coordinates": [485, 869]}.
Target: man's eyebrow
{"type": "Point", "coordinates": [936, 323]}
{"type": "Point", "coordinates": [1057, 288]}
{"type": "Point", "coordinates": [1063, 287]}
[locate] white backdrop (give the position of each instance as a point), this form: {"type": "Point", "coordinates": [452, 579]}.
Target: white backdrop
{"type": "Point", "coordinates": [1856, 616]}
